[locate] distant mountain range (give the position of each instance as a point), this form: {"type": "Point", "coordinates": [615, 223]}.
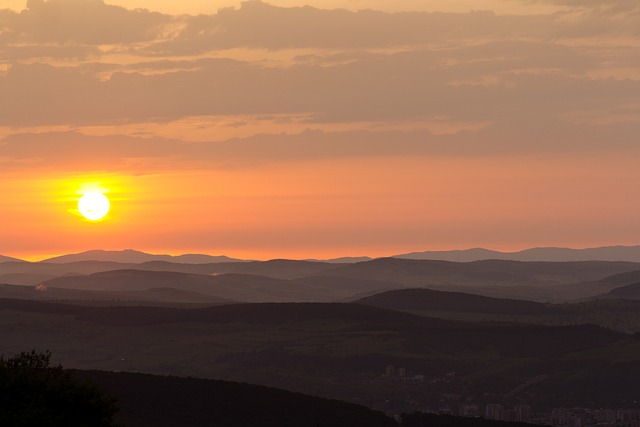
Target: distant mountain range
{"type": "Point", "coordinates": [137, 257]}
{"type": "Point", "coordinates": [343, 260]}
{"type": "Point", "coordinates": [289, 280]}
{"type": "Point", "coordinates": [605, 253]}
{"type": "Point", "coordinates": [9, 259]}
{"type": "Point", "coordinates": [549, 254]}
{"type": "Point", "coordinates": [238, 287]}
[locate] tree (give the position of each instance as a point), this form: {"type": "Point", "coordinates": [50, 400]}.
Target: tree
{"type": "Point", "coordinates": [34, 393]}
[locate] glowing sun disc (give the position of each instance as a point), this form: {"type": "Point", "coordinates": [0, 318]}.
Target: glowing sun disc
{"type": "Point", "coordinates": [93, 205]}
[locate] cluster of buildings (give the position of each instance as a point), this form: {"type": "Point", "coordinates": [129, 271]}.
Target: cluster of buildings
{"type": "Point", "coordinates": [401, 375]}
{"type": "Point", "coordinates": [519, 413]}
{"type": "Point", "coordinates": [581, 417]}
{"type": "Point", "coordinates": [559, 417]}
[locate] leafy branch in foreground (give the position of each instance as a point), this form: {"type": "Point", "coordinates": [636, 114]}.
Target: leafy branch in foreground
{"type": "Point", "coordinates": [34, 393]}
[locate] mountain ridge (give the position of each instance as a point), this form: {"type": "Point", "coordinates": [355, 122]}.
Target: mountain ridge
{"type": "Point", "coordinates": [137, 257]}
{"type": "Point", "coordinates": [601, 253]}
{"type": "Point", "coordinates": [547, 254]}
{"type": "Point", "coordinates": [4, 258]}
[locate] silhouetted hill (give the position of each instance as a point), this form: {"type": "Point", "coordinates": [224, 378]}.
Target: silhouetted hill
{"type": "Point", "coordinates": [616, 314]}
{"type": "Point", "coordinates": [353, 286]}
{"type": "Point", "coordinates": [607, 253]}
{"type": "Point", "coordinates": [9, 259]}
{"type": "Point", "coordinates": [169, 401]}
{"type": "Point", "coordinates": [282, 268]}
{"type": "Point", "coordinates": [625, 292]}
{"type": "Point", "coordinates": [152, 296]}
{"type": "Point", "coordinates": [429, 300]}
{"type": "Point", "coordinates": [24, 269]}
{"type": "Point", "coordinates": [239, 287]}
{"type": "Point", "coordinates": [541, 281]}
{"type": "Point", "coordinates": [24, 279]}
{"type": "Point", "coordinates": [136, 257]}
{"type": "Point", "coordinates": [343, 260]}
{"type": "Point", "coordinates": [331, 350]}
{"type": "Point", "coordinates": [348, 317]}
{"type": "Point", "coordinates": [598, 287]}
{"type": "Point", "coordinates": [464, 255]}
{"type": "Point", "coordinates": [426, 273]}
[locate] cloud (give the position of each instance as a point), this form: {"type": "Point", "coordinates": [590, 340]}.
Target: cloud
{"type": "Point", "coordinates": [90, 22]}
{"type": "Point", "coordinates": [62, 52]}
{"type": "Point", "coordinates": [491, 82]}
{"type": "Point", "coordinates": [367, 66]}
{"type": "Point", "coordinates": [259, 25]}
{"type": "Point", "coordinates": [611, 5]}
{"type": "Point", "coordinates": [74, 151]}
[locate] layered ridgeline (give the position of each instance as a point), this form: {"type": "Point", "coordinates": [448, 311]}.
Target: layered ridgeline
{"type": "Point", "coordinates": [552, 254]}
{"type": "Point", "coordinates": [4, 259]}
{"type": "Point", "coordinates": [339, 351]}
{"type": "Point", "coordinates": [137, 257]}
{"type": "Point", "coordinates": [287, 280]}
{"type": "Point", "coordinates": [614, 312]}
{"type": "Point", "coordinates": [631, 291]}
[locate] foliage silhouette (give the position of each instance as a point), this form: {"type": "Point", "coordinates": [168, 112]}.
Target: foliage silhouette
{"type": "Point", "coordinates": [34, 393]}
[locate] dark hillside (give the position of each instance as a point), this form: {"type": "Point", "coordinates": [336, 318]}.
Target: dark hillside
{"type": "Point", "coordinates": [631, 291]}
{"type": "Point", "coordinates": [153, 296]}
{"type": "Point", "coordinates": [239, 287]}
{"type": "Point", "coordinates": [480, 273]}
{"type": "Point", "coordinates": [427, 300]}
{"type": "Point", "coordinates": [4, 258]}
{"type": "Point", "coordinates": [422, 335]}
{"type": "Point", "coordinates": [325, 349]}
{"type": "Point", "coordinates": [597, 287]}
{"type": "Point", "coordinates": [161, 401]}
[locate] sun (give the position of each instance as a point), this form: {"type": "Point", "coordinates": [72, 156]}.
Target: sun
{"type": "Point", "coordinates": [94, 205]}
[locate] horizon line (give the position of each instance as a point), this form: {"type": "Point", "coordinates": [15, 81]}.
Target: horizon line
{"type": "Point", "coordinates": [45, 257]}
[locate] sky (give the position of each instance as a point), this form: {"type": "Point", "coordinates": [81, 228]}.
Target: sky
{"type": "Point", "coordinates": [320, 128]}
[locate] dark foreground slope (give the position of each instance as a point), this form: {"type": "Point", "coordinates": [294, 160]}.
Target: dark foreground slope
{"type": "Point", "coordinates": [419, 419]}
{"type": "Point", "coordinates": [336, 350]}
{"type": "Point", "coordinates": [165, 401]}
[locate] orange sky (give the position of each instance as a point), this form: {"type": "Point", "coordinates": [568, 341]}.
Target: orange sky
{"type": "Point", "coordinates": [268, 130]}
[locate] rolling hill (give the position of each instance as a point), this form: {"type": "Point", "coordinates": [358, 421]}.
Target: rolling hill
{"type": "Point", "coordinates": [130, 256]}
{"type": "Point", "coordinates": [151, 296]}
{"type": "Point", "coordinates": [322, 281]}
{"type": "Point", "coordinates": [162, 401]}
{"type": "Point", "coordinates": [430, 300]}
{"type": "Point", "coordinates": [615, 314]}
{"type": "Point", "coordinates": [9, 259]}
{"type": "Point", "coordinates": [631, 291]}
{"type": "Point", "coordinates": [239, 287]}
{"type": "Point", "coordinates": [330, 350]}
{"type": "Point", "coordinates": [598, 287]}
{"type": "Point", "coordinates": [605, 253]}
{"type": "Point", "coordinates": [492, 274]}
{"type": "Point", "coordinates": [284, 269]}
